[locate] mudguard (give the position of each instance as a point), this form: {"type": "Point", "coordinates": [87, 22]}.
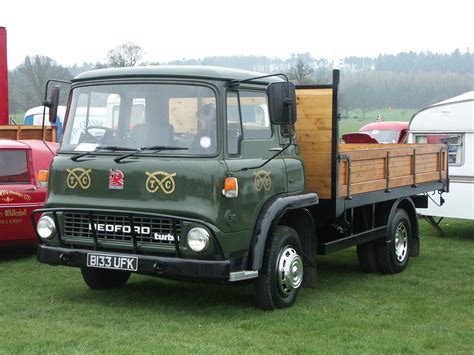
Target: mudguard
{"type": "Point", "coordinates": [268, 219]}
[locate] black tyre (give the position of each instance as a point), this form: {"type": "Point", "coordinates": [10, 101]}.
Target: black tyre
{"type": "Point", "coordinates": [282, 271]}
{"type": "Point", "coordinates": [99, 279]}
{"type": "Point", "coordinates": [393, 256]}
{"type": "Point", "coordinates": [367, 256]}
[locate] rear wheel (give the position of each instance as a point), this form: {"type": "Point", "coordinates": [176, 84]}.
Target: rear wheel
{"type": "Point", "coordinates": [98, 279]}
{"type": "Point", "coordinates": [282, 271]}
{"type": "Point", "coordinates": [393, 255]}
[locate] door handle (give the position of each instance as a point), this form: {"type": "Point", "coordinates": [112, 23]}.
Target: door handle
{"type": "Point", "coordinates": [31, 188]}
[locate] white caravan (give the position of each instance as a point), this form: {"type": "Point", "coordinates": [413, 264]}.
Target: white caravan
{"type": "Point", "coordinates": [452, 122]}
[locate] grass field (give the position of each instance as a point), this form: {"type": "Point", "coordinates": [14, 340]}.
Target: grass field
{"type": "Point", "coordinates": [429, 308]}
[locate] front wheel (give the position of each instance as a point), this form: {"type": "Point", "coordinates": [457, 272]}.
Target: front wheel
{"type": "Point", "coordinates": [393, 254]}
{"type": "Point", "coordinates": [282, 271]}
{"type": "Point", "coordinates": [99, 279]}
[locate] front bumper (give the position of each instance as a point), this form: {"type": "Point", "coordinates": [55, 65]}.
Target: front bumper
{"type": "Point", "coordinates": [148, 265]}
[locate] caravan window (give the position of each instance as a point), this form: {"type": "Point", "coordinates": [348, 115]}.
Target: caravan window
{"type": "Point", "coordinates": [454, 142]}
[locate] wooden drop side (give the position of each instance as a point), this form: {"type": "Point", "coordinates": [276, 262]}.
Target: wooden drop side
{"type": "Point", "coordinates": [28, 132]}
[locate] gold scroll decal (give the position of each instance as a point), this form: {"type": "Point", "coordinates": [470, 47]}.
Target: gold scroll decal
{"type": "Point", "coordinates": [79, 176]}
{"type": "Point", "coordinates": [263, 180]}
{"type": "Point", "coordinates": [160, 179]}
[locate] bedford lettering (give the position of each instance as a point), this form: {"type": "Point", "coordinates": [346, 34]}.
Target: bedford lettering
{"type": "Point", "coordinates": [116, 228]}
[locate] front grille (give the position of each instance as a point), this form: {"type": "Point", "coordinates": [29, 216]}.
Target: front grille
{"type": "Point", "coordinates": [115, 227]}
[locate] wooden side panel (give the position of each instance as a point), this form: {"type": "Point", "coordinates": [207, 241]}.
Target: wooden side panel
{"type": "Point", "coordinates": [382, 167]}
{"type": "Point", "coordinates": [28, 132]}
{"type": "Point", "coordinates": [314, 135]}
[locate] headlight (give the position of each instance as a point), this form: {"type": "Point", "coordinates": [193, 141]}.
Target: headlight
{"type": "Point", "coordinates": [45, 227]}
{"type": "Point", "coordinates": [198, 239]}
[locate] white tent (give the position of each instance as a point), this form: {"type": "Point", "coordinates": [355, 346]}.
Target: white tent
{"type": "Point", "coordinates": [452, 122]}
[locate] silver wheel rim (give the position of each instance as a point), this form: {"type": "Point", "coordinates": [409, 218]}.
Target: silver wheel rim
{"type": "Point", "coordinates": [290, 271]}
{"type": "Point", "coordinates": [401, 242]}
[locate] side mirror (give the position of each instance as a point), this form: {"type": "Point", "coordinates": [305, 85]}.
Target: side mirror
{"type": "Point", "coordinates": [52, 104]}
{"type": "Point", "coordinates": [282, 102]}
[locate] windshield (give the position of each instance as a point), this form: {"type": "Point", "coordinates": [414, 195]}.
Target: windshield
{"type": "Point", "coordinates": [383, 136]}
{"type": "Point", "coordinates": [142, 115]}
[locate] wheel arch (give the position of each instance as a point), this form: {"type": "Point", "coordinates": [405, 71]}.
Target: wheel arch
{"type": "Point", "coordinates": [290, 209]}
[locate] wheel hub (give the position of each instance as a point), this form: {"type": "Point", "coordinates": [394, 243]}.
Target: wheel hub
{"type": "Point", "coordinates": [290, 271]}
{"type": "Point", "coordinates": [401, 242]}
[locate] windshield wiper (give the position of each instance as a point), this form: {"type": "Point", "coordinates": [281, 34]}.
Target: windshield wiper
{"type": "Point", "coordinates": [107, 147]}
{"type": "Point", "coordinates": [155, 148]}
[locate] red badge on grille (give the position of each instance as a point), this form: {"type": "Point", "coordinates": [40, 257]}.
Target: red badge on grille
{"type": "Point", "coordinates": [116, 179]}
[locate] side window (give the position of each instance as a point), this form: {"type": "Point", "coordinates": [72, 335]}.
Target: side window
{"type": "Point", "coordinates": [454, 141]}
{"type": "Point", "coordinates": [233, 123]}
{"type": "Point", "coordinates": [13, 167]}
{"type": "Point", "coordinates": [255, 116]}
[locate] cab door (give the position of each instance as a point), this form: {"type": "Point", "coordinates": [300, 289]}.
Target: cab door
{"type": "Point", "coordinates": [251, 141]}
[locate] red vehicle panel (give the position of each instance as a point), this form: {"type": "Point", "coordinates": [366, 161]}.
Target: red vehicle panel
{"type": "Point", "coordinates": [20, 194]}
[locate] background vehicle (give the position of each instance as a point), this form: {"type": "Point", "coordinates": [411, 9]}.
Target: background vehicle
{"type": "Point", "coordinates": [203, 185]}
{"type": "Point", "coordinates": [379, 132]}
{"type": "Point", "coordinates": [450, 122]}
{"type": "Point", "coordinates": [34, 117]}
{"type": "Point", "coordinates": [21, 163]}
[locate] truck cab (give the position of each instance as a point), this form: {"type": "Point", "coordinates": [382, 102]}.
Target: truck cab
{"type": "Point", "coordinates": [174, 180]}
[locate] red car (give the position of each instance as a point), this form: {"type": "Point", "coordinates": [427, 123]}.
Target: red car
{"type": "Point", "coordinates": [22, 162]}
{"type": "Point", "coordinates": [379, 132]}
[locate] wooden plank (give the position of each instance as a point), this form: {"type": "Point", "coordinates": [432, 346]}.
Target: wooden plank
{"type": "Point", "coordinates": [313, 92]}
{"type": "Point", "coordinates": [394, 152]}
{"type": "Point", "coordinates": [317, 165]}
{"type": "Point", "coordinates": [314, 124]}
{"type": "Point", "coordinates": [320, 185]}
{"type": "Point", "coordinates": [309, 147]}
{"type": "Point", "coordinates": [304, 112]}
{"type": "Point", "coordinates": [314, 135]}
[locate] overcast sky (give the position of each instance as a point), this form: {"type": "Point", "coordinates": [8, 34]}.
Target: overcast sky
{"type": "Point", "coordinates": [84, 30]}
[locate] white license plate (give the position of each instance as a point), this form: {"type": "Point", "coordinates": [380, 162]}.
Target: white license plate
{"type": "Point", "coordinates": [116, 262]}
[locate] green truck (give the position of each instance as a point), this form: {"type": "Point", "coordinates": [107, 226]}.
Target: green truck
{"type": "Point", "coordinates": [195, 172]}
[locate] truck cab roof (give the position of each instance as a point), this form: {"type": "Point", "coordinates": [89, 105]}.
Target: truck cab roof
{"type": "Point", "coordinates": [181, 71]}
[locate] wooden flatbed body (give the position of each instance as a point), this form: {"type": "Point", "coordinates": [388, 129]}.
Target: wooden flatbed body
{"type": "Point", "coordinates": [28, 132]}
{"type": "Point", "coordinates": [350, 175]}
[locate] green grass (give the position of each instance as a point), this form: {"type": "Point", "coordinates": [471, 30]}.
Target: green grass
{"type": "Point", "coordinates": [354, 120]}
{"type": "Point", "coordinates": [18, 118]}
{"type": "Point", "coordinates": [426, 309]}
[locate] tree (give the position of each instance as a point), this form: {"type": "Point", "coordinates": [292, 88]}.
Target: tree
{"type": "Point", "coordinates": [125, 55]}
{"type": "Point", "coordinates": [27, 82]}
{"type": "Point", "coordinates": [301, 69]}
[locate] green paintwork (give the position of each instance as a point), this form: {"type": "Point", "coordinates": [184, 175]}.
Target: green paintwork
{"type": "Point", "coordinates": [198, 181]}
